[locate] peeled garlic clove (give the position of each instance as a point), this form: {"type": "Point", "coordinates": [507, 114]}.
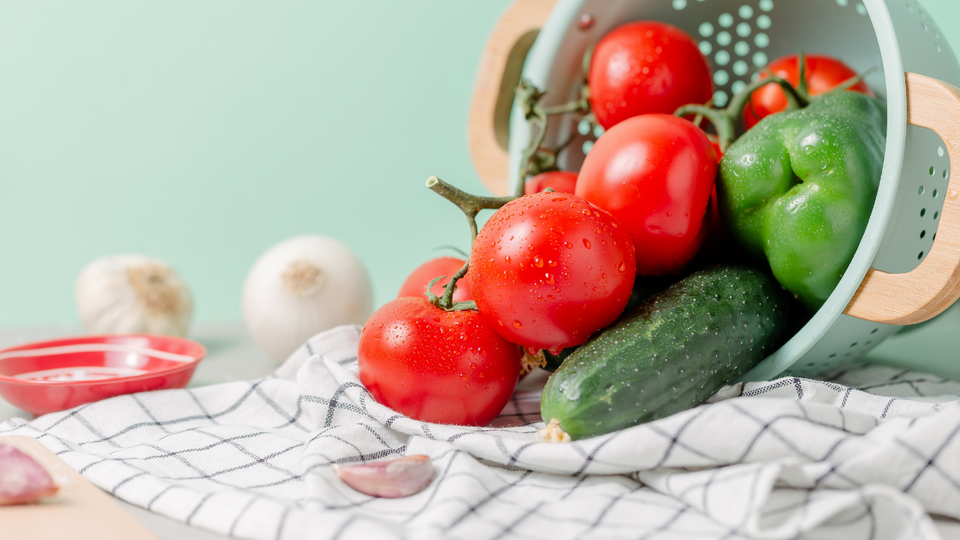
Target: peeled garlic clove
{"type": "Point", "coordinates": [133, 294]}
{"type": "Point", "coordinates": [22, 479]}
{"type": "Point", "coordinates": [391, 479]}
{"type": "Point", "coordinates": [301, 287]}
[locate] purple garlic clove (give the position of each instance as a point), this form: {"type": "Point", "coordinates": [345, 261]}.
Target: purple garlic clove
{"type": "Point", "coordinates": [22, 479]}
{"type": "Point", "coordinates": [391, 479]}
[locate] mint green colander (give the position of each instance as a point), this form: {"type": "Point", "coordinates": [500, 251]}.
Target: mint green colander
{"type": "Point", "coordinates": [906, 267]}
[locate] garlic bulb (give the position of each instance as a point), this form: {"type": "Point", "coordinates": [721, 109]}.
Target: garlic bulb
{"type": "Point", "coordinates": [133, 294]}
{"type": "Point", "coordinates": [300, 287]}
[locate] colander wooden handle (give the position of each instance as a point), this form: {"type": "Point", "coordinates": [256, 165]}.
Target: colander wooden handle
{"type": "Point", "coordinates": [932, 286]}
{"type": "Point", "coordinates": [497, 77]}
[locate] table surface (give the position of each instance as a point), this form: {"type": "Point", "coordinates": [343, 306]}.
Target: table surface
{"type": "Point", "coordinates": [232, 356]}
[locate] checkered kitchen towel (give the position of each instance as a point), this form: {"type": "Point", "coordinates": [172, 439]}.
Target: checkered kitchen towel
{"type": "Point", "coordinates": [868, 456]}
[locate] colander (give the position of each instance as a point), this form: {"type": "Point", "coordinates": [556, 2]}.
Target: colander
{"type": "Point", "coordinates": [905, 270]}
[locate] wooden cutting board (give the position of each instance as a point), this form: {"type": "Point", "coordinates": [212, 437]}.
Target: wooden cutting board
{"type": "Point", "coordinates": [79, 511]}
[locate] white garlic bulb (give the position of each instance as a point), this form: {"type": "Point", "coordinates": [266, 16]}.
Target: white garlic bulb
{"type": "Point", "coordinates": [133, 294]}
{"type": "Point", "coordinates": [301, 287]}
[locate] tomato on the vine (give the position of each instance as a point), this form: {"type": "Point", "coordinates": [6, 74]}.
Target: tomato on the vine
{"type": "Point", "coordinates": [646, 67]}
{"type": "Point", "coordinates": [416, 283]}
{"type": "Point", "coordinates": [550, 269]}
{"type": "Point", "coordinates": [823, 73]}
{"type": "Point", "coordinates": [559, 181]}
{"type": "Point", "coordinates": [434, 365]}
{"type": "Point", "coordinates": [716, 235]}
{"type": "Point", "coordinates": [655, 174]}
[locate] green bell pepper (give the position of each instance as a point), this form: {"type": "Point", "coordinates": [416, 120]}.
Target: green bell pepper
{"type": "Point", "coordinates": [799, 187]}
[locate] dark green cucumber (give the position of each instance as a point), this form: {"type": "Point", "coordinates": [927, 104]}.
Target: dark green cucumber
{"type": "Point", "coordinates": [643, 289]}
{"type": "Point", "coordinates": [670, 354]}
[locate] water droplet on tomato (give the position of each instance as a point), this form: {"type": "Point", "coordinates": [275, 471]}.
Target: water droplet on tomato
{"type": "Point", "coordinates": [473, 366]}
{"type": "Point", "coordinates": [555, 350]}
{"type": "Point", "coordinates": [586, 212]}
{"type": "Point", "coordinates": [549, 278]}
{"type": "Point", "coordinates": [507, 258]}
{"type": "Point", "coordinates": [558, 199]}
{"type": "Point", "coordinates": [567, 245]}
{"type": "Point", "coordinates": [517, 324]}
{"type": "Point", "coordinates": [622, 267]}
{"type": "Point", "coordinates": [586, 243]}
{"type": "Point", "coordinates": [463, 376]}
{"type": "Point", "coordinates": [538, 261]}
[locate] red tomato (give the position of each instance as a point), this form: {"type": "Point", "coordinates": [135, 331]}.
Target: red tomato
{"type": "Point", "coordinates": [646, 67]}
{"type": "Point", "coordinates": [824, 73]}
{"type": "Point", "coordinates": [447, 367]}
{"type": "Point", "coordinates": [715, 143]}
{"type": "Point", "coordinates": [416, 283]}
{"type": "Point", "coordinates": [550, 269]}
{"type": "Point", "coordinates": [716, 235]}
{"type": "Point", "coordinates": [654, 173]}
{"type": "Point", "coordinates": [560, 181]}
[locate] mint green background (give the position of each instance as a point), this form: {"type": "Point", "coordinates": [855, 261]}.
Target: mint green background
{"type": "Point", "coordinates": [203, 132]}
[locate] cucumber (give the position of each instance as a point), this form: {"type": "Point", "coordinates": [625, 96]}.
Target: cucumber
{"type": "Point", "coordinates": [670, 354]}
{"type": "Point", "coordinates": [554, 361]}
{"type": "Point", "coordinates": [643, 289]}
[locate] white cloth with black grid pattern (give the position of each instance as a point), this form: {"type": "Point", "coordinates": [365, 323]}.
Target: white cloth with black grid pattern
{"type": "Point", "coordinates": [791, 458]}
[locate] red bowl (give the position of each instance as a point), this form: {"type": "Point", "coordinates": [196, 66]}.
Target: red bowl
{"type": "Point", "coordinates": [51, 376]}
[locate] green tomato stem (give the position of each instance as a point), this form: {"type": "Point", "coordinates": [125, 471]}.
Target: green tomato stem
{"type": "Point", "coordinates": [803, 89]}
{"type": "Point", "coordinates": [535, 158]}
{"type": "Point", "coordinates": [852, 81]}
{"type": "Point", "coordinates": [725, 120]}
{"type": "Point", "coordinates": [470, 205]}
{"type": "Point", "coordinates": [529, 98]}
